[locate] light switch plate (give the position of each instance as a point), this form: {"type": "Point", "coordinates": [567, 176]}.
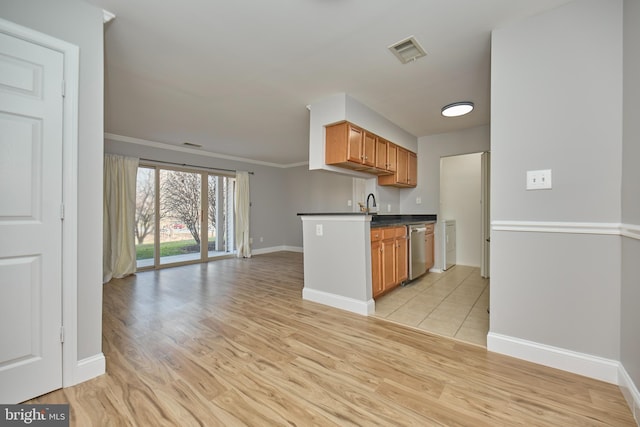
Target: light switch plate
{"type": "Point", "coordinates": [539, 180]}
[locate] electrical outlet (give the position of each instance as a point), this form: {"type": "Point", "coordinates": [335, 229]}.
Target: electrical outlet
{"type": "Point", "coordinates": [251, 240]}
{"type": "Point", "coordinates": [389, 207]}
{"type": "Point", "coordinates": [349, 203]}
{"type": "Point", "coordinates": [261, 239]}
{"type": "Point", "coordinates": [319, 230]}
{"type": "Point", "coordinates": [539, 180]}
{"type": "Point", "coordinates": [418, 200]}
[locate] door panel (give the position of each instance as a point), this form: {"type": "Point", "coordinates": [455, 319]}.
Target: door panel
{"type": "Point", "coordinates": [30, 225]}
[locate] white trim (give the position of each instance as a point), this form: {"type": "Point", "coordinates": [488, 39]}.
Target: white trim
{"type": "Point", "coordinates": [276, 249]}
{"type": "Point", "coordinates": [165, 146]}
{"type": "Point", "coordinates": [558, 227]}
{"type": "Point", "coordinates": [630, 230]}
{"type": "Point", "coordinates": [555, 357]}
{"type": "Point", "coordinates": [364, 308]}
{"type": "Point", "coordinates": [605, 228]}
{"type": "Point", "coordinates": [630, 393]}
{"type": "Point", "coordinates": [70, 227]}
{"type": "Point", "coordinates": [90, 367]}
{"type": "Point", "coordinates": [107, 16]}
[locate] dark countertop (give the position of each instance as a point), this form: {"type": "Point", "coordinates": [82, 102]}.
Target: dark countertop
{"type": "Point", "coordinates": [381, 220]}
{"type": "Point", "coordinates": [330, 213]}
{"type": "Point", "coordinates": [401, 219]}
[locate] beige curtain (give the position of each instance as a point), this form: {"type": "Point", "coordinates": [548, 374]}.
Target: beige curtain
{"type": "Point", "coordinates": [242, 215]}
{"type": "Point", "coordinates": [119, 247]}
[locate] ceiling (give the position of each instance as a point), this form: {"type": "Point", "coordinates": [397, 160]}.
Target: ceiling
{"type": "Point", "coordinates": [236, 76]}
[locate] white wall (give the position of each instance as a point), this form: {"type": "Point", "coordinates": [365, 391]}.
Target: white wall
{"type": "Point", "coordinates": [460, 193]}
{"type": "Point", "coordinates": [630, 310]}
{"type": "Point", "coordinates": [556, 105]}
{"type": "Point", "coordinates": [80, 23]}
{"type": "Point", "coordinates": [313, 192]}
{"type": "Point", "coordinates": [430, 150]}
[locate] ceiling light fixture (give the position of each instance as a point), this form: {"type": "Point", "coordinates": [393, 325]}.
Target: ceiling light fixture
{"type": "Point", "coordinates": [457, 109]}
{"type": "Point", "coordinates": [407, 50]}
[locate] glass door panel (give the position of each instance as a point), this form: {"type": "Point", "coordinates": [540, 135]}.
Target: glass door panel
{"type": "Point", "coordinates": [219, 211]}
{"type": "Point", "coordinates": [180, 198]}
{"type": "Point", "coordinates": [145, 217]}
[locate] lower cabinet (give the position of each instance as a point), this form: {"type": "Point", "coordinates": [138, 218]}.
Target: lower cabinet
{"type": "Point", "coordinates": [429, 243]}
{"type": "Point", "coordinates": [376, 266]}
{"type": "Point", "coordinates": [389, 258]}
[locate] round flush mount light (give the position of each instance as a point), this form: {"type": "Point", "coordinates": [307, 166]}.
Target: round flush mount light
{"type": "Point", "coordinates": [457, 109]}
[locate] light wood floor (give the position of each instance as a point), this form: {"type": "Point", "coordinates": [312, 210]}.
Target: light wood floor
{"type": "Point", "coordinates": [232, 343]}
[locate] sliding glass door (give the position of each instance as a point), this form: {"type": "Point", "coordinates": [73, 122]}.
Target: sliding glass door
{"type": "Point", "coordinates": [173, 224]}
{"type": "Point", "coordinates": [180, 200]}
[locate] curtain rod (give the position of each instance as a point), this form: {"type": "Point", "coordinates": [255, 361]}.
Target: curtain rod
{"type": "Point", "coordinates": [191, 166]}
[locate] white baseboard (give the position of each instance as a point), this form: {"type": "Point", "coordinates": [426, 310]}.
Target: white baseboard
{"type": "Point", "coordinates": [338, 301]}
{"type": "Point", "coordinates": [271, 249]}
{"type": "Point", "coordinates": [630, 393]}
{"type": "Point", "coordinates": [435, 270]}
{"type": "Point", "coordinates": [89, 368]}
{"type": "Point", "coordinates": [555, 357]}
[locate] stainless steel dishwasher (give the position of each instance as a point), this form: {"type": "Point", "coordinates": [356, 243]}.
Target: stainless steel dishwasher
{"type": "Point", "coordinates": [417, 251]}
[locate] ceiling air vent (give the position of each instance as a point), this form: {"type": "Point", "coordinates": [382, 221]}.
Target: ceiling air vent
{"type": "Point", "coordinates": [407, 50]}
{"type": "Point", "coordinates": [191, 144]}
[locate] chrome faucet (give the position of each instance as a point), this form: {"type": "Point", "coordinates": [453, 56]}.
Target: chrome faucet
{"type": "Point", "coordinates": [374, 201]}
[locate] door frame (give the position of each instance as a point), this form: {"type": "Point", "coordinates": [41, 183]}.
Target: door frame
{"type": "Point", "coordinates": [71, 371]}
{"type": "Point", "coordinates": [485, 270]}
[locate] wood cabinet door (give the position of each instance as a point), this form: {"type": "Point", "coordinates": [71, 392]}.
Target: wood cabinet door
{"type": "Point", "coordinates": [370, 144]}
{"type": "Point", "coordinates": [412, 169]}
{"type": "Point", "coordinates": [354, 147]}
{"type": "Point", "coordinates": [402, 173]}
{"type": "Point", "coordinates": [382, 154]}
{"type": "Point", "coordinates": [388, 263]}
{"type": "Point", "coordinates": [402, 259]}
{"type": "Point", "coordinates": [392, 157]}
{"type": "Point", "coordinates": [376, 268]}
{"type": "Point", "coordinates": [429, 246]}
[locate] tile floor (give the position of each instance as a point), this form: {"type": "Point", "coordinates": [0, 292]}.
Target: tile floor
{"type": "Point", "coordinates": [453, 303]}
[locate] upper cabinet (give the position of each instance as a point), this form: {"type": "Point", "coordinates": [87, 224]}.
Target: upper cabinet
{"type": "Point", "coordinates": [350, 146]}
{"type": "Point", "coordinates": [353, 147]}
{"type": "Point", "coordinates": [386, 155]}
{"type": "Point", "coordinates": [406, 173]}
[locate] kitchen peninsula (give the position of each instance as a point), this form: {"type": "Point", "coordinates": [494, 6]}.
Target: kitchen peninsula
{"type": "Point", "coordinates": [337, 256]}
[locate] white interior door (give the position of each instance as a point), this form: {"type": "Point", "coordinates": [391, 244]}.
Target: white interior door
{"type": "Point", "coordinates": [31, 123]}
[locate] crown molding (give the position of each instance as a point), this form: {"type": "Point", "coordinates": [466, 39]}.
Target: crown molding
{"type": "Point", "coordinates": [165, 146]}
{"type": "Point", "coordinates": [107, 16]}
